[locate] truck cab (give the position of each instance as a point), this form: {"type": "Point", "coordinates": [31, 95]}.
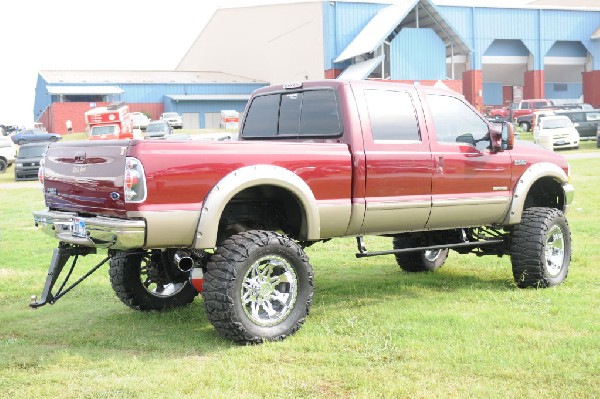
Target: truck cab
{"type": "Point", "coordinates": [110, 122]}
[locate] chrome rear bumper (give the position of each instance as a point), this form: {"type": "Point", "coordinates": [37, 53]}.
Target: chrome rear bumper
{"type": "Point", "coordinates": [100, 232]}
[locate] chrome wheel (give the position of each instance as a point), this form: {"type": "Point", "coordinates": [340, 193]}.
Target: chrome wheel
{"type": "Point", "coordinates": [156, 281]}
{"type": "Point", "coordinates": [269, 290]}
{"type": "Point", "coordinates": [555, 251]}
{"type": "Point", "coordinates": [432, 255]}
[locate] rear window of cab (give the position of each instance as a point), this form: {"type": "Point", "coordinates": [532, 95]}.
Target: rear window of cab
{"type": "Point", "coordinates": [303, 114]}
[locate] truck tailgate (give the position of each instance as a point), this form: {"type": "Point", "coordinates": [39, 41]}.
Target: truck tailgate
{"type": "Point", "coordinates": [86, 175]}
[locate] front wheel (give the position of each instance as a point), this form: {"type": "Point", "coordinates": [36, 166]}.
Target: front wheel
{"type": "Point", "coordinates": [524, 126]}
{"type": "Point", "coordinates": [141, 281]}
{"type": "Point", "coordinates": [421, 261]}
{"type": "Point", "coordinates": [258, 286]}
{"type": "Point", "coordinates": [541, 248]}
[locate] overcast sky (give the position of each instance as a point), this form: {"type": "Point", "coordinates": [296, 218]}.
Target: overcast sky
{"type": "Point", "coordinates": [105, 34]}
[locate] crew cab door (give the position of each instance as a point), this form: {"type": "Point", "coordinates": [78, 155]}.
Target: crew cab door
{"type": "Point", "coordinates": [470, 184]}
{"type": "Point", "coordinates": [399, 166]}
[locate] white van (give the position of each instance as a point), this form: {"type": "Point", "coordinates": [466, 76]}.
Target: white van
{"type": "Point", "coordinates": [560, 128]}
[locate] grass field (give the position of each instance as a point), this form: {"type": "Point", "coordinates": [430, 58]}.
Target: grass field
{"type": "Point", "coordinates": [374, 331]}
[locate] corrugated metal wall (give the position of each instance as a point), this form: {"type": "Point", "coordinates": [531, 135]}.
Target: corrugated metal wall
{"type": "Point", "coordinates": [345, 21]}
{"type": "Point", "coordinates": [537, 29]}
{"type": "Point", "coordinates": [417, 54]}
{"type": "Point", "coordinates": [154, 93]}
{"type": "Point", "coordinates": [563, 91]}
{"type": "Point", "coordinates": [492, 93]}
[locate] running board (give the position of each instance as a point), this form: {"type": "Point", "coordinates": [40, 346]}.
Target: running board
{"type": "Point", "coordinates": [363, 253]}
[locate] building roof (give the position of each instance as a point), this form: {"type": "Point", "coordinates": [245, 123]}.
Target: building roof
{"type": "Point", "coordinates": [99, 77]}
{"type": "Point", "coordinates": [79, 90]}
{"type": "Point", "coordinates": [361, 70]}
{"type": "Point", "coordinates": [392, 19]}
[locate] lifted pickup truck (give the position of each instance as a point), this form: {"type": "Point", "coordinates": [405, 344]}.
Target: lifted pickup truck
{"type": "Point", "coordinates": [314, 160]}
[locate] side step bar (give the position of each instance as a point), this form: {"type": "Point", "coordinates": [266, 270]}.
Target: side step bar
{"type": "Point", "coordinates": [363, 253]}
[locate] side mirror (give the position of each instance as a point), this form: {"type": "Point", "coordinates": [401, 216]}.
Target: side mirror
{"type": "Point", "coordinates": [502, 139]}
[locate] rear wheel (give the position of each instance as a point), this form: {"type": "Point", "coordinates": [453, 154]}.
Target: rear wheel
{"type": "Point", "coordinates": [524, 126]}
{"type": "Point", "coordinates": [3, 165]}
{"type": "Point", "coordinates": [258, 286]}
{"type": "Point", "coordinates": [422, 261]}
{"type": "Point", "coordinates": [141, 281]}
{"type": "Point", "coordinates": [541, 248]}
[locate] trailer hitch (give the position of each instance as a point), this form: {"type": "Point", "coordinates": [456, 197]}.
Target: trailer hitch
{"type": "Point", "coordinates": [60, 257]}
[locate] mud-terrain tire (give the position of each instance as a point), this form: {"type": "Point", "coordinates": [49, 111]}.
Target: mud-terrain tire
{"type": "Point", "coordinates": [258, 286]}
{"type": "Point", "coordinates": [3, 166]}
{"type": "Point", "coordinates": [541, 248]}
{"type": "Point", "coordinates": [423, 261]}
{"type": "Point", "coordinates": [140, 282]}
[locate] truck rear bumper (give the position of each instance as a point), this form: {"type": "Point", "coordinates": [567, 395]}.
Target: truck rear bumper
{"type": "Point", "coordinates": [97, 232]}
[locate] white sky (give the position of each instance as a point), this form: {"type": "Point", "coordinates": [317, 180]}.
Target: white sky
{"type": "Point", "coordinates": [40, 35]}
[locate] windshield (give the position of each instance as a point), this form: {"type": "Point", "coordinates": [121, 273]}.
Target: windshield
{"type": "Point", "coordinates": [556, 123]}
{"type": "Point", "coordinates": [101, 130]}
{"type": "Point", "coordinates": [32, 151]}
{"type": "Point", "coordinates": [156, 127]}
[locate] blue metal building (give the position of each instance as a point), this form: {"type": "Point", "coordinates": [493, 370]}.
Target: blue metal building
{"type": "Point", "coordinates": [493, 55]}
{"type": "Point", "coordinates": [198, 96]}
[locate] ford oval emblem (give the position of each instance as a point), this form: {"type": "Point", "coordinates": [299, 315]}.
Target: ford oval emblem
{"type": "Point", "coordinates": [115, 196]}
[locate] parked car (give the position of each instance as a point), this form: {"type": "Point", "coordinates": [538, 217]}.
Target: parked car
{"type": "Point", "coordinates": [28, 160]}
{"type": "Point", "coordinates": [502, 113]}
{"type": "Point", "coordinates": [173, 118]}
{"type": "Point", "coordinates": [527, 122]}
{"type": "Point", "coordinates": [8, 153]}
{"type": "Point", "coordinates": [158, 129]}
{"type": "Point", "coordinates": [564, 134]}
{"type": "Point", "coordinates": [139, 120]}
{"type": "Point", "coordinates": [33, 135]}
{"type": "Point", "coordinates": [585, 121]}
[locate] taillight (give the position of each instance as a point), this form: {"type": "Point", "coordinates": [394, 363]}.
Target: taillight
{"type": "Point", "coordinates": [134, 183]}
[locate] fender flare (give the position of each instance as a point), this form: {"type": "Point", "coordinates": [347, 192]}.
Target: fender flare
{"type": "Point", "coordinates": [527, 179]}
{"type": "Point", "coordinates": [251, 176]}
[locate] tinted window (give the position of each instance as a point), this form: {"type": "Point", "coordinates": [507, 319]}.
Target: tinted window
{"type": "Point", "coordinates": [455, 122]}
{"type": "Point", "coordinates": [392, 115]}
{"type": "Point", "coordinates": [262, 117]}
{"type": "Point", "coordinates": [320, 114]}
{"type": "Point", "coordinates": [289, 113]}
{"type": "Point", "coordinates": [310, 113]}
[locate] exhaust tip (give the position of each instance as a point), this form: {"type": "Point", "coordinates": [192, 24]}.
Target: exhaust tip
{"type": "Point", "coordinates": [184, 263]}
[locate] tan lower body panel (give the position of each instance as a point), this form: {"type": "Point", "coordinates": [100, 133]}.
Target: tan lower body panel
{"type": "Point", "coordinates": [169, 228]}
{"type": "Point", "coordinates": [449, 213]}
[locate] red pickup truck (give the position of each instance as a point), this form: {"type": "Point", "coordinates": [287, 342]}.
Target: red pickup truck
{"type": "Point", "coordinates": [314, 160]}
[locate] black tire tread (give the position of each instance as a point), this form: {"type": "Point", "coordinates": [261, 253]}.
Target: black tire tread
{"type": "Point", "coordinates": [527, 245]}
{"type": "Point", "coordinates": [412, 262]}
{"type": "Point", "coordinates": [125, 281]}
{"type": "Point", "coordinates": [222, 271]}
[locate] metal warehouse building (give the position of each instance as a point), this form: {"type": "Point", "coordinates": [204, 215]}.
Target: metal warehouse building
{"type": "Point", "coordinates": [492, 55]}
{"type": "Point", "coordinates": [198, 96]}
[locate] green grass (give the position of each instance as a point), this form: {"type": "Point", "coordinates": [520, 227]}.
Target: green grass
{"type": "Point", "coordinates": [373, 331]}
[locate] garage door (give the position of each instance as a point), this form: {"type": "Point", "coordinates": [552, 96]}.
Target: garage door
{"type": "Point", "coordinates": [212, 120]}
{"type": "Point", "coordinates": [191, 120]}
